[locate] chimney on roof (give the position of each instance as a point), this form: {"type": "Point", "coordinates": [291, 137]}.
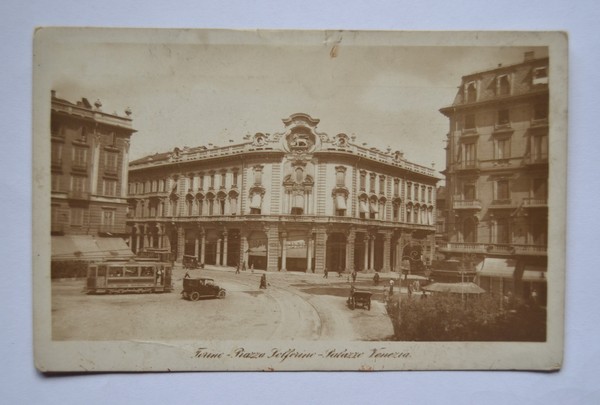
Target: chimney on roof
{"type": "Point", "coordinates": [530, 55]}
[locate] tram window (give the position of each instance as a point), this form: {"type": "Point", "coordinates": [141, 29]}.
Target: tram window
{"type": "Point", "coordinates": [115, 272]}
{"type": "Point", "coordinates": [131, 271]}
{"type": "Point", "coordinates": [101, 271]}
{"type": "Point", "coordinates": [147, 272]}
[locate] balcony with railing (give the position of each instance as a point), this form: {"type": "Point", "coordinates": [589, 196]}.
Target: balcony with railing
{"type": "Point", "coordinates": [502, 203]}
{"type": "Point", "coordinates": [233, 150]}
{"type": "Point", "coordinates": [535, 202]}
{"type": "Point", "coordinates": [494, 248]}
{"type": "Point", "coordinates": [308, 219]}
{"type": "Point", "coordinates": [467, 165]}
{"type": "Point", "coordinates": [78, 195]}
{"type": "Point", "coordinates": [537, 159]}
{"type": "Point", "coordinates": [461, 204]}
{"type": "Point", "coordinates": [539, 122]}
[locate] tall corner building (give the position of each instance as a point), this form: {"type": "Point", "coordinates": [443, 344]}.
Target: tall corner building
{"type": "Point", "coordinates": [497, 176]}
{"type": "Point", "coordinates": [295, 200]}
{"type": "Point", "coordinates": [89, 169]}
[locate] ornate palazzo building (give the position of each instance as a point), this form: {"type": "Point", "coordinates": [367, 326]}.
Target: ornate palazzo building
{"type": "Point", "coordinates": [89, 161]}
{"type": "Point", "coordinates": [298, 200]}
{"type": "Point", "coordinates": [497, 175]}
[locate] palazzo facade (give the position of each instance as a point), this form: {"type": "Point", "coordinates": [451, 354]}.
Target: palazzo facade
{"type": "Point", "coordinates": [297, 200]}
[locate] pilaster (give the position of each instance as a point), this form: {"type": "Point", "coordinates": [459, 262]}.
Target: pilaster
{"type": "Point", "coordinates": [272, 248]}
{"type": "Point", "coordinates": [321, 251]}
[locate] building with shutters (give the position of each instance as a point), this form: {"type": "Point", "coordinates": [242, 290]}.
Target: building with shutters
{"type": "Point", "coordinates": [89, 169]}
{"type": "Point", "coordinates": [497, 176]}
{"type": "Point", "coordinates": [296, 200]}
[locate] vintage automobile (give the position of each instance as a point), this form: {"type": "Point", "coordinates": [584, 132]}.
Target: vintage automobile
{"type": "Point", "coordinates": [196, 288]}
{"type": "Point", "coordinates": [359, 298]}
{"type": "Point", "coordinates": [191, 262]}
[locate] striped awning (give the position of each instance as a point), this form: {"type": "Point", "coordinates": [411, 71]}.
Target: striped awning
{"type": "Point", "coordinates": [256, 201]}
{"type": "Point", "coordinates": [374, 207]}
{"type": "Point", "coordinates": [498, 268]}
{"type": "Point", "coordinates": [340, 202]}
{"type": "Point", "coordinates": [363, 207]}
{"type": "Point", "coordinates": [86, 247]}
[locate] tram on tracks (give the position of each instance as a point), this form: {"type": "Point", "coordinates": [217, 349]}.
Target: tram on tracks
{"type": "Point", "coordinates": [134, 276]}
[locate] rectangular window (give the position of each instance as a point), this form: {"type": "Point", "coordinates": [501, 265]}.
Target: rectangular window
{"type": "Point", "coordinates": [223, 180]}
{"type": "Point", "coordinates": [409, 190]}
{"type": "Point", "coordinates": [396, 187]}
{"type": "Point", "coordinates": [372, 183]}
{"type": "Point", "coordinates": [502, 190]}
{"type": "Point", "coordinates": [502, 149]}
{"type": "Point", "coordinates": [422, 193]}
{"type": "Point", "coordinates": [110, 161]}
{"type": "Point", "coordinates": [212, 181]}
{"type": "Point", "coordinates": [502, 85]}
{"type": "Point", "coordinates": [503, 117]}
{"type": "Point", "coordinates": [471, 92]}
{"type": "Point", "coordinates": [540, 75]}
{"type": "Point", "coordinates": [235, 179]}
{"type": "Point", "coordinates": [540, 148]}
{"type": "Point", "coordinates": [469, 192]}
{"type": "Point", "coordinates": [56, 180]}
{"type": "Point", "coordinates": [56, 153]}
{"type": "Point", "coordinates": [469, 151]}
{"type": "Point", "coordinates": [416, 192]}
{"type": "Point", "coordinates": [470, 121]}
{"type": "Point", "coordinates": [429, 195]}
{"type": "Point", "coordinates": [540, 189]}
{"type": "Point", "coordinates": [109, 187]}
{"type": "Point", "coordinates": [363, 181]}
{"type": "Point", "coordinates": [78, 183]}
{"type": "Point", "coordinates": [77, 216]}
{"type": "Point", "coordinates": [381, 184]}
{"type": "Point", "coordinates": [80, 157]}
{"type": "Point", "coordinates": [340, 178]}
{"type": "Point", "coordinates": [540, 110]}
{"type": "Point", "coordinates": [108, 217]}
{"type": "Point", "coordinates": [502, 231]}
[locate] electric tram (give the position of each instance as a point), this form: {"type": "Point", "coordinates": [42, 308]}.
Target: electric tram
{"type": "Point", "coordinates": [120, 277]}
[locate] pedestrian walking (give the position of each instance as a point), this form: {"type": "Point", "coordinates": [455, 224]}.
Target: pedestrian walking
{"type": "Point", "coordinates": [354, 276]}
{"type": "Point", "coordinates": [376, 279]}
{"type": "Point", "coordinates": [263, 282]}
{"type": "Point", "coordinates": [237, 269]}
{"type": "Point", "coordinates": [252, 268]}
{"type": "Point", "coordinates": [325, 272]}
{"type": "Point", "coordinates": [391, 287]}
{"type": "Point", "coordinates": [244, 266]}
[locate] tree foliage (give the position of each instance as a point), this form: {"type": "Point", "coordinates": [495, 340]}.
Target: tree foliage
{"type": "Point", "coordinates": [450, 317]}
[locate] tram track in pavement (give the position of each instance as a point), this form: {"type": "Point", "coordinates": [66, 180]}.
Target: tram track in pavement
{"type": "Point", "coordinates": [293, 320]}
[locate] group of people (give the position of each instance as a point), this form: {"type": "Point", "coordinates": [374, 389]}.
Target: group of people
{"type": "Point", "coordinates": [243, 268]}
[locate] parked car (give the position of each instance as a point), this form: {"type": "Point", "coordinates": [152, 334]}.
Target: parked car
{"type": "Point", "coordinates": [191, 262]}
{"type": "Point", "coordinates": [359, 298]}
{"type": "Point", "coordinates": [196, 288]}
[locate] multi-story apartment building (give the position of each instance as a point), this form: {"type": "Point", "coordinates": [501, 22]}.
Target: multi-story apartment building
{"type": "Point", "coordinates": [89, 169]}
{"type": "Point", "coordinates": [497, 175]}
{"type": "Point", "coordinates": [295, 200]}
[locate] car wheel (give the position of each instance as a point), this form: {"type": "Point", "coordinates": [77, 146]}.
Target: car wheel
{"type": "Point", "coordinates": [221, 294]}
{"type": "Point", "coordinates": [195, 296]}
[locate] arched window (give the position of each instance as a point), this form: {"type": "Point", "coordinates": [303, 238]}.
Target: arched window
{"type": "Point", "coordinates": [255, 203]}
{"type": "Point", "coordinates": [297, 204]}
{"type": "Point", "coordinates": [363, 208]}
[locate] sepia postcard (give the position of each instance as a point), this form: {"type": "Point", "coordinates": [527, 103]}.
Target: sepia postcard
{"type": "Point", "coordinates": [298, 200]}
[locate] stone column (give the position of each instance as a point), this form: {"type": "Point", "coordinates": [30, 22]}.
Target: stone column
{"type": "Point", "coordinates": [146, 237]}
{"type": "Point", "coordinates": [196, 245]}
{"type": "Point", "coordinates": [125, 169]}
{"type": "Point", "coordinates": [283, 251]}
{"type": "Point", "coordinates": [224, 261]}
{"type": "Point", "coordinates": [366, 258]}
{"type": "Point", "coordinates": [131, 243]}
{"type": "Point", "coordinates": [218, 259]}
{"type": "Point", "coordinates": [96, 164]}
{"type": "Point", "coordinates": [203, 250]}
{"type": "Point", "coordinates": [243, 248]}
{"type": "Point", "coordinates": [350, 250]}
{"type": "Point", "coordinates": [159, 235]}
{"type": "Point", "coordinates": [180, 243]}
{"type": "Point", "coordinates": [387, 239]}
{"type": "Point", "coordinates": [372, 249]}
{"type": "Point", "coordinates": [272, 248]}
{"type": "Point", "coordinates": [321, 251]}
{"type": "Point", "coordinates": [309, 248]}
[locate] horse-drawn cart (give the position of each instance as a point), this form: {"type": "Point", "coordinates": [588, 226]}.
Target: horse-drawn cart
{"type": "Point", "coordinates": [359, 298]}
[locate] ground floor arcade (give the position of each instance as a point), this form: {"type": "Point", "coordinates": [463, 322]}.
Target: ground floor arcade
{"type": "Point", "coordinates": [290, 246]}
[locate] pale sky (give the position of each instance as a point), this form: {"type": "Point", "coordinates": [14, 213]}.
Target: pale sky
{"type": "Point", "coordinates": [195, 94]}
